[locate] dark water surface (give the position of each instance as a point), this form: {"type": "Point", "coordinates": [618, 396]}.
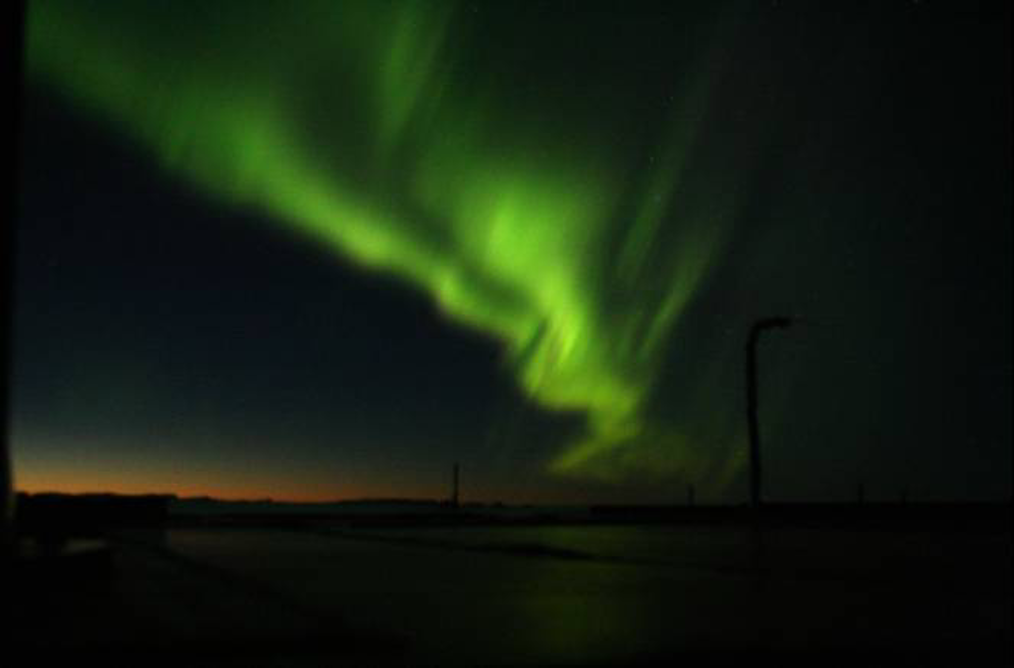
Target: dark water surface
{"type": "Point", "coordinates": [577, 595]}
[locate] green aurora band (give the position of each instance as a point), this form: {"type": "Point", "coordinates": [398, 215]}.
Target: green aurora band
{"type": "Point", "coordinates": [360, 125]}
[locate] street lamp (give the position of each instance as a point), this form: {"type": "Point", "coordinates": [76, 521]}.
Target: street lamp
{"type": "Point", "coordinates": [759, 326]}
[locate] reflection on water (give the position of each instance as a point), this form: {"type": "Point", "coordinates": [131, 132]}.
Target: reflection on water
{"type": "Point", "coordinates": [487, 595]}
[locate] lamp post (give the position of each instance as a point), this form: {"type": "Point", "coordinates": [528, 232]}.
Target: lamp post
{"type": "Point", "coordinates": [758, 327]}
{"type": "Point", "coordinates": [454, 487]}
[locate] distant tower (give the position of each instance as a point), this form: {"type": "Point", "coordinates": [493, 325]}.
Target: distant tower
{"type": "Point", "coordinates": [454, 488]}
{"type": "Point", "coordinates": [751, 400]}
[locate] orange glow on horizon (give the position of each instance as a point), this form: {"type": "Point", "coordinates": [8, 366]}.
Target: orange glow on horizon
{"type": "Point", "coordinates": [299, 491]}
{"type": "Point", "coordinates": [289, 482]}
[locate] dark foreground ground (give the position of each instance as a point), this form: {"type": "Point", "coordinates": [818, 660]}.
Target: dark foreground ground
{"type": "Point", "coordinates": [237, 593]}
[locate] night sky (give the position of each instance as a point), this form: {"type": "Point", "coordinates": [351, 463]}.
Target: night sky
{"type": "Point", "coordinates": [324, 250]}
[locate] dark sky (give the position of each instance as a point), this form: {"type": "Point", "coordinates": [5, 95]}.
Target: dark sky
{"type": "Point", "coordinates": [614, 193]}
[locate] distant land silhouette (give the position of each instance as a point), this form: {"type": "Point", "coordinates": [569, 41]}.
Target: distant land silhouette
{"type": "Point", "coordinates": [48, 515]}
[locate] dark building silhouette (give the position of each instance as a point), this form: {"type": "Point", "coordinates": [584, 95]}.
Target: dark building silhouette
{"type": "Point", "coordinates": [15, 56]}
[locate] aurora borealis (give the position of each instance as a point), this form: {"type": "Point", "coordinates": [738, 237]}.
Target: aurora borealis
{"type": "Point", "coordinates": [605, 200]}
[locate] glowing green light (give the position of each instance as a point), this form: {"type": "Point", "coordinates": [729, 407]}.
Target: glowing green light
{"type": "Point", "coordinates": [344, 122]}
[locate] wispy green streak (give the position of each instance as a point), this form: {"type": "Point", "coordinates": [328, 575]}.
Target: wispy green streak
{"type": "Point", "coordinates": [347, 123]}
